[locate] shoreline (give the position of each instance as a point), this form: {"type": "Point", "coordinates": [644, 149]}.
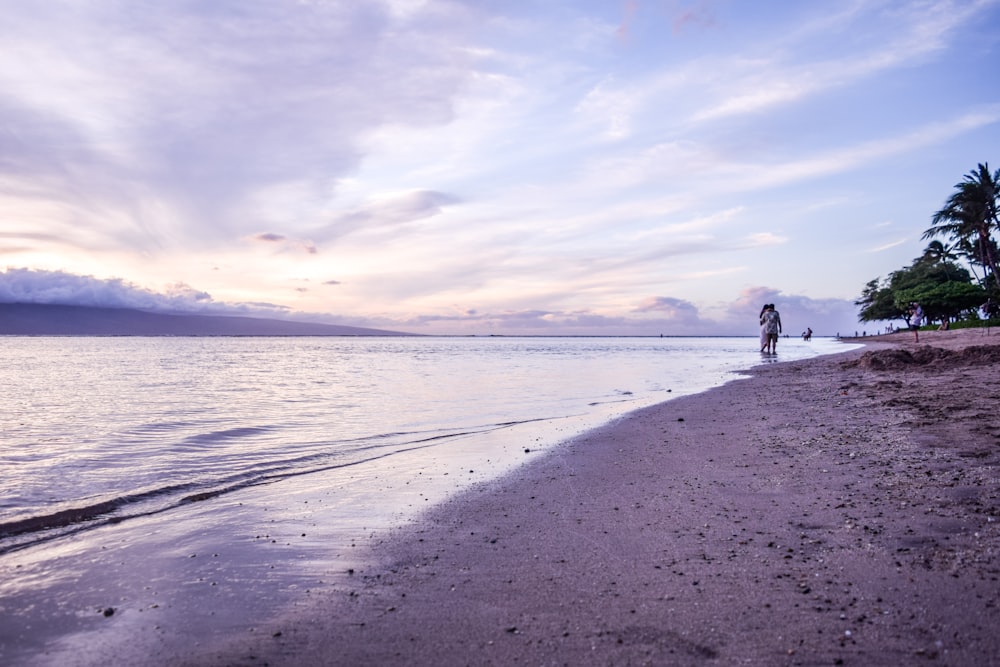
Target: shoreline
{"type": "Point", "coordinates": [171, 583]}
{"type": "Point", "coordinates": [839, 510]}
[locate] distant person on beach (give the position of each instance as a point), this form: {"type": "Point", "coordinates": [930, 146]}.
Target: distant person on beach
{"type": "Point", "coordinates": [771, 322]}
{"type": "Point", "coordinates": [916, 316]}
{"type": "Point", "coordinates": [807, 334]}
{"type": "Point", "coordinates": [763, 329]}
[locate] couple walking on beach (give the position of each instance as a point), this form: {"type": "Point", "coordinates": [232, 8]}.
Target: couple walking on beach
{"type": "Point", "coordinates": [770, 327]}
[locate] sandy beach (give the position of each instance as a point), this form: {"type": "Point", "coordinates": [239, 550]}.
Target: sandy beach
{"type": "Point", "coordinates": [840, 510]}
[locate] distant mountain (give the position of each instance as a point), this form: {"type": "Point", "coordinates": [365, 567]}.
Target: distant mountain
{"type": "Point", "coordinates": [30, 319]}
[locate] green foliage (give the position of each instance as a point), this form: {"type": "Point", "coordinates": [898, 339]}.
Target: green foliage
{"type": "Point", "coordinates": [877, 303]}
{"type": "Point", "coordinates": [924, 271]}
{"type": "Point", "coordinates": [969, 218]}
{"type": "Point", "coordinates": [949, 300]}
{"type": "Point", "coordinates": [976, 324]}
{"type": "Point", "coordinates": [944, 289]}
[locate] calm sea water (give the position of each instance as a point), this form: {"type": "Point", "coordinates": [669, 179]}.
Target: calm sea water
{"type": "Point", "coordinates": [148, 441]}
{"type": "Point", "coordinates": [102, 428]}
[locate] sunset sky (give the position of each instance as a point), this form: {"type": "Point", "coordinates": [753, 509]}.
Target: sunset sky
{"type": "Point", "coordinates": [486, 166]}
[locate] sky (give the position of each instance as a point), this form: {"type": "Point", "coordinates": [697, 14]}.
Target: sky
{"type": "Point", "coordinates": [541, 167]}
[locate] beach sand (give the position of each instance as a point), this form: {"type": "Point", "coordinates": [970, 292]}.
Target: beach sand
{"type": "Point", "coordinates": [839, 510]}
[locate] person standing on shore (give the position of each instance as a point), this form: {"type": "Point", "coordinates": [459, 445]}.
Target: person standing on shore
{"type": "Point", "coordinates": [763, 329]}
{"type": "Point", "coordinates": [771, 322]}
{"type": "Point", "coordinates": [916, 316]}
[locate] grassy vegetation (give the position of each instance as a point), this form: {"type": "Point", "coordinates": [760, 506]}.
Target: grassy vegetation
{"type": "Point", "coordinates": [968, 324]}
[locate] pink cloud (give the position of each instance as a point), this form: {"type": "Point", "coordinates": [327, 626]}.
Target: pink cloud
{"type": "Point", "coordinates": [301, 244]}
{"type": "Point", "coordinates": [631, 7]}
{"type": "Point", "coordinates": [699, 14]}
{"type": "Point", "coordinates": [269, 237]}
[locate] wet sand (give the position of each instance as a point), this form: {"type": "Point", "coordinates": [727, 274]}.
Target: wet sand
{"type": "Point", "coordinates": [840, 510]}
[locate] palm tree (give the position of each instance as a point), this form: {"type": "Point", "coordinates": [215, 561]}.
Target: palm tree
{"type": "Point", "coordinates": [939, 252]}
{"type": "Point", "coordinates": [969, 216]}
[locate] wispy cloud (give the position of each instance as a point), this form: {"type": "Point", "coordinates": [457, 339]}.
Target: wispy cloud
{"type": "Point", "coordinates": [192, 113]}
{"type": "Point", "coordinates": [917, 30]}
{"type": "Point", "coordinates": [459, 163]}
{"type": "Point", "coordinates": [387, 214]}
{"type": "Point", "coordinates": [889, 246]}
{"type": "Point", "coordinates": [750, 177]}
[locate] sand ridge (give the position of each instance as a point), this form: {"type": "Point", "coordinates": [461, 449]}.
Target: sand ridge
{"type": "Point", "coordinates": [840, 510]}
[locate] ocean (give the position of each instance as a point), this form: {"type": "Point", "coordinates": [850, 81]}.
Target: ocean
{"type": "Point", "coordinates": [136, 471]}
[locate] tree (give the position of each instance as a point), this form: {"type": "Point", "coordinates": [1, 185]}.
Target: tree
{"type": "Point", "coordinates": [969, 217]}
{"type": "Point", "coordinates": [944, 290]}
{"type": "Point", "coordinates": [939, 252]}
{"type": "Point", "coordinates": [944, 301]}
{"type": "Point", "coordinates": [877, 303]}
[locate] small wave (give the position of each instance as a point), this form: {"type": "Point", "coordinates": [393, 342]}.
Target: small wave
{"type": "Point", "coordinates": [226, 434]}
{"type": "Point", "coordinates": [22, 533]}
{"type": "Point", "coordinates": [83, 514]}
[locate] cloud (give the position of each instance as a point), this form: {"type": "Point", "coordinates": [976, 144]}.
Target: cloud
{"type": "Point", "coordinates": [765, 239]}
{"type": "Point", "coordinates": [58, 287]}
{"type": "Point", "coordinates": [473, 160]}
{"type": "Point", "coordinates": [628, 15]}
{"type": "Point", "coordinates": [695, 165]}
{"type": "Point", "coordinates": [651, 316]}
{"type": "Point", "coordinates": [178, 115]}
{"type": "Point", "coordinates": [889, 246]}
{"type": "Point", "coordinates": [824, 316]}
{"type": "Point", "coordinates": [387, 214]}
{"type": "Point", "coordinates": [285, 243]}
{"type": "Point", "coordinates": [700, 14]}
{"type": "Point", "coordinates": [667, 306]}
{"type": "Point", "coordinates": [749, 85]}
